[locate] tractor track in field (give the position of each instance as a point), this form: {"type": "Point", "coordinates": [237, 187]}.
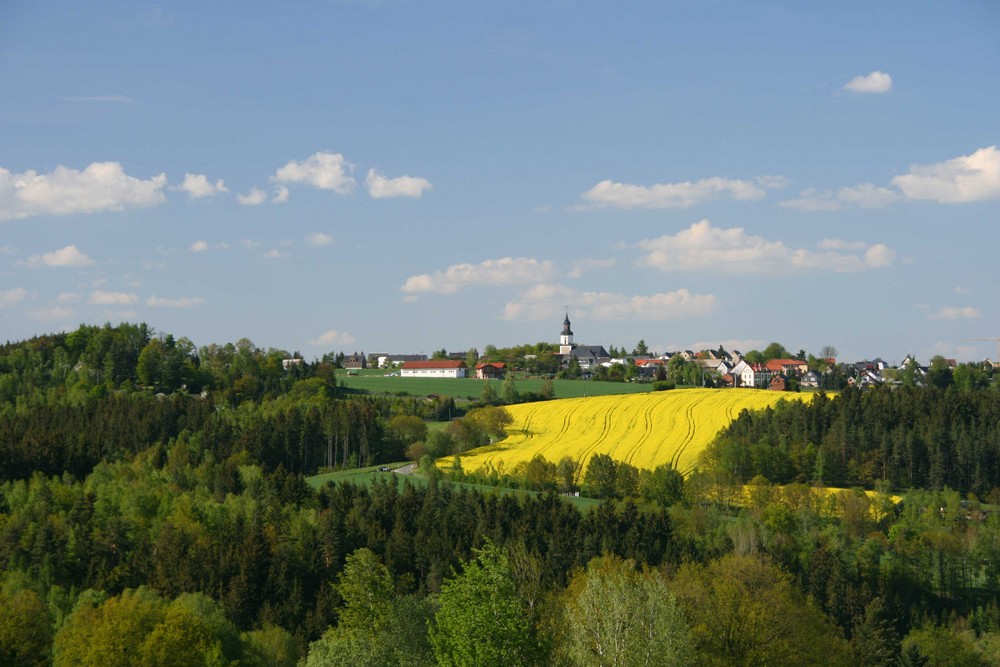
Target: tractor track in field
{"type": "Point", "coordinates": [605, 432]}
{"type": "Point", "coordinates": [647, 414]}
{"type": "Point", "coordinates": [689, 436]}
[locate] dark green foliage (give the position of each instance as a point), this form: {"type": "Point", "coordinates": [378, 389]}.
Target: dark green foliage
{"type": "Point", "coordinates": [909, 437]}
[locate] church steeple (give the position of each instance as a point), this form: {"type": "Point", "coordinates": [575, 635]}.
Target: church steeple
{"type": "Point", "coordinates": [566, 338]}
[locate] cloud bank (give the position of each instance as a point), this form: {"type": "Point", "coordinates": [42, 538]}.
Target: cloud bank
{"type": "Point", "coordinates": [702, 247]}
{"type": "Point", "coordinates": [492, 272]}
{"type": "Point", "coordinates": [102, 186]}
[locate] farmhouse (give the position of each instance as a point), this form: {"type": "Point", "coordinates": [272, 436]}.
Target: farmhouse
{"type": "Point", "coordinates": [355, 361]}
{"type": "Point", "coordinates": [443, 368]}
{"type": "Point", "coordinates": [491, 371]}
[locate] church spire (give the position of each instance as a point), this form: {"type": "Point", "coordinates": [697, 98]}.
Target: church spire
{"type": "Point", "coordinates": [566, 338]}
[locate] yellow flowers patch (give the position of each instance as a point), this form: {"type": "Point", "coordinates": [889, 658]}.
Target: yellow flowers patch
{"type": "Point", "coordinates": [644, 430]}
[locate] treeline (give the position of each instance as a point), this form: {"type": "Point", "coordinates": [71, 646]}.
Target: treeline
{"type": "Point", "coordinates": [909, 437]}
{"type": "Point", "coordinates": [265, 547]}
{"type": "Point", "coordinates": [177, 549]}
{"type": "Point", "coordinates": [298, 434]}
{"type": "Point", "coordinates": [92, 362]}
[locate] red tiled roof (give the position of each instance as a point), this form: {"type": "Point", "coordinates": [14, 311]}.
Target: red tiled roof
{"type": "Point", "coordinates": [494, 364]}
{"type": "Point", "coordinates": [436, 363]}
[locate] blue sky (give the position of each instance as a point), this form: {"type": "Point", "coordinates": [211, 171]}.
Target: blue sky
{"type": "Point", "coordinates": [402, 177]}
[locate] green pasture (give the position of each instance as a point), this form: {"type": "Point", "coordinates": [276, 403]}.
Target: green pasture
{"type": "Point", "coordinates": [376, 382]}
{"type": "Point", "coordinates": [366, 476]}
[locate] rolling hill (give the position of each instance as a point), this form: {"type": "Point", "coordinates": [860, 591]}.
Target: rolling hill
{"type": "Point", "coordinates": [644, 430]}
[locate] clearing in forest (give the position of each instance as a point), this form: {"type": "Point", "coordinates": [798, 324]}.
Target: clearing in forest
{"type": "Point", "coordinates": [644, 430]}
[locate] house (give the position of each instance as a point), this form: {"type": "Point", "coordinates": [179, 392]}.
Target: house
{"type": "Point", "coordinates": [778, 383]}
{"type": "Point", "coordinates": [355, 361]}
{"type": "Point", "coordinates": [787, 366]}
{"type": "Point", "coordinates": [751, 375]}
{"type": "Point", "coordinates": [491, 371]}
{"type": "Point", "coordinates": [435, 368]}
{"type": "Point", "coordinates": [810, 380]}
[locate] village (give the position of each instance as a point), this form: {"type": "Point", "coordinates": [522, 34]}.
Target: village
{"type": "Point", "coordinates": [711, 368]}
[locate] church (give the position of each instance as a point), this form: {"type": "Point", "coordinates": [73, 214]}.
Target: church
{"type": "Point", "coordinates": [588, 356]}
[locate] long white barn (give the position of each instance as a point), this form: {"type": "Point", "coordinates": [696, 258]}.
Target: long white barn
{"type": "Point", "coordinates": [443, 368]}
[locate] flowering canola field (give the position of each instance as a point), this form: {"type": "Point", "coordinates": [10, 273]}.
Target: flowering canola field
{"type": "Point", "coordinates": [644, 430]}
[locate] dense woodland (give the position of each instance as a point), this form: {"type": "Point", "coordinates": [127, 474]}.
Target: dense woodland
{"type": "Point", "coordinates": [153, 508]}
{"type": "Point", "coordinates": [908, 437]}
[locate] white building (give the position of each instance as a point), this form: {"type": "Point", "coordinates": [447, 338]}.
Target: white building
{"type": "Point", "coordinates": [441, 368]}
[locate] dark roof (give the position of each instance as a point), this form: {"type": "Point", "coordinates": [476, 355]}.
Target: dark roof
{"type": "Point", "coordinates": [436, 363]}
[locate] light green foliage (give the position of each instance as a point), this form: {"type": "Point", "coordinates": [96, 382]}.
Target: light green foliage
{"type": "Point", "coordinates": [936, 646]}
{"type": "Point", "coordinates": [375, 629]}
{"type": "Point", "coordinates": [271, 646]}
{"type": "Point", "coordinates": [663, 484]}
{"type": "Point", "coordinates": [509, 391]}
{"type": "Point", "coordinates": [744, 611]}
{"type": "Point", "coordinates": [481, 620]}
{"type": "Point", "coordinates": [492, 420]}
{"type": "Point", "coordinates": [366, 588]}
{"type": "Point", "coordinates": [407, 429]}
{"type": "Point", "coordinates": [110, 634]}
{"type": "Point", "coordinates": [618, 617]}
{"type": "Point", "coordinates": [139, 627]}
{"type": "Point", "coordinates": [25, 629]}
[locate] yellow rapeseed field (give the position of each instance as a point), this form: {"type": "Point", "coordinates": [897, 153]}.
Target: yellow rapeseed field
{"type": "Point", "coordinates": [644, 430]}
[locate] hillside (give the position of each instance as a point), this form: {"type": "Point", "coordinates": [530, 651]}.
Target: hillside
{"type": "Point", "coordinates": [644, 430]}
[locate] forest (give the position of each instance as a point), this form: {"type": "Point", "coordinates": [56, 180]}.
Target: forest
{"type": "Point", "coordinates": [153, 508]}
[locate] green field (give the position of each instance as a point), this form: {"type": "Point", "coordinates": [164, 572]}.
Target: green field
{"type": "Point", "coordinates": [366, 476]}
{"type": "Point", "coordinates": [377, 382]}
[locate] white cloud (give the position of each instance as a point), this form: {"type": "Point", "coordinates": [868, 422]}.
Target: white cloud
{"type": "Point", "coordinates": [960, 290]}
{"type": "Point", "coordinates": [6, 250]}
{"type": "Point", "coordinates": [876, 82]}
{"type": "Point", "coordinates": [68, 297]}
{"type": "Point", "coordinates": [103, 298]}
{"type": "Point", "coordinates": [102, 186]}
{"type": "Point", "coordinates": [492, 272]}
{"type": "Point", "coordinates": [68, 256]}
{"type": "Point", "coordinates": [581, 266]}
{"type": "Point", "coordinates": [280, 195]}
{"type": "Point", "coordinates": [672, 195]}
{"type": "Point", "coordinates": [967, 178]}
{"type": "Point", "coordinates": [12, 297]}
{"type": "Point", "coordinates": [54, 314]}
{"type": "Point", "coordinates": [182, 302]}
{"type": "Point", "coordinates": [253, 198]}
{"type": "Point", "coordinates": [864, 195]}
{"type": "Point", "coordinates": [955, 313]}
{"type": "Point", "coordinates": [319, 239]}
{"type": "Point", "coordinates": [772, 182]}
{"type": "Point", "coordinates": [380, 187]}
{"type": "Point", "coordinates": [275, 254]}
{"type": "Point", "coordinates": [333, 337]}
{"type": "Point", "coordinates": [702, 247]}
{"type": "Point", "coordinates": [198, 186]}
{"type": "Point", "coordinates": [323, 170]}
{"type": "Point", "coordinates": [540, 301]}
{"type": "Point", "coordinates": [199, 246]}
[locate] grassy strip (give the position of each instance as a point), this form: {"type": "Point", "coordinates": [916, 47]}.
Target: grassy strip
{"type": "Point", "coordinates": [366, 476]}
{"type": "Point", "coordinates": [379, 383]}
